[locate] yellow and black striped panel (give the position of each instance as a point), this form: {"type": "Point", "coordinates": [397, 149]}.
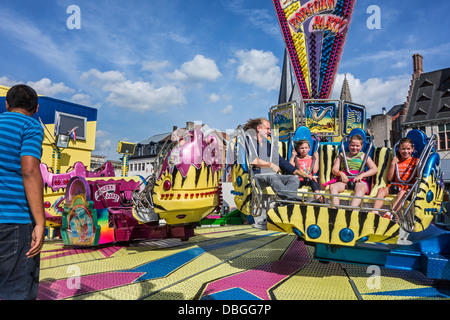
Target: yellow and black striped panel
{"type": "Point", "coordinates": [328, 155]}
{"type": "Point", "coordinates": [283, 149]}
{"type": "Point", "coordinates": [242, 189]}
{"type": "Point", "coordinates": [332, 226]}
{"type": "Point", "coordinates": [382, 158]}
{"type": "Point", "coordinates": [179, 200]}
{"type": "Point", "coordinates": [428, 201]}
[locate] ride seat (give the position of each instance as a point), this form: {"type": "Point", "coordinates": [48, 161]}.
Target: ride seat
{"type": "Point", "coordinates": [383, 157]}
{"type": "Point", "coordinates": [329, 154]}
{"type": "Point", "coordinates": [285, 149]}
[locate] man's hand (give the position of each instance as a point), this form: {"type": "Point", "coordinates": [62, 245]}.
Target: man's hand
{"type": "Point", "coordinates": [37, 241]}
{"type": "Point", "coordinates": [275, 168]}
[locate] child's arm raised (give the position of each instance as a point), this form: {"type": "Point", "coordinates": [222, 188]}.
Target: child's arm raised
{"type": "Point", "coordinates": [391, 171]}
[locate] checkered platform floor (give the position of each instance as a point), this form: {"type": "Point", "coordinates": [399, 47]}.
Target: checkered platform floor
{"type": "Point", "coordinates": [220, 263]}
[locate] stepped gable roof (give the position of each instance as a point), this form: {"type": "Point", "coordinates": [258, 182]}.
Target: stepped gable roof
{"type": "Point", "coordinates": [430, 98]}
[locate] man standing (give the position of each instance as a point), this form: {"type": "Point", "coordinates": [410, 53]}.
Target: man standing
{"type": "Point", "coordinates": [22, 217]}
{"type": "Point", "coordinates": [267, 162]}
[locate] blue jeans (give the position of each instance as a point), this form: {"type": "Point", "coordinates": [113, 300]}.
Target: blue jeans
{"type": "Point", "coordinates": [19, 275]}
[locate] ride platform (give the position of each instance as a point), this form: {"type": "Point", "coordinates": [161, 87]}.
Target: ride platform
{"type": "Point", "coordinates": [234, 262]}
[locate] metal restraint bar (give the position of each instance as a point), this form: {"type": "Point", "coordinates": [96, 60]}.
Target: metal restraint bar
{"type": "Point", "coordinates": [408, 217]}
{"type": "Point", "coordinates": [142, 200]}
{"type": "Point", "coordinates": [367, 152]}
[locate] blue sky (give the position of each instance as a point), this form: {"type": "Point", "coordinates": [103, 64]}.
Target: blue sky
{"type": "Point", "coordinates": [149, 65]}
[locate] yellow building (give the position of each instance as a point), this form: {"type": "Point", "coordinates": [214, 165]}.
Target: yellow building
{"type": "Point", "coordinates": [59, 117]}
{"type": "Point", "coordinates": [66, 115]}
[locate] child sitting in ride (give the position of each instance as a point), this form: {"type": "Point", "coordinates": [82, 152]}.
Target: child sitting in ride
{"type": "Point", "coordinates": [307, 166]}
{"type": "Point", "coordinates": [355, 159]}
{"type": "Point", "coordinates": [406, 165]}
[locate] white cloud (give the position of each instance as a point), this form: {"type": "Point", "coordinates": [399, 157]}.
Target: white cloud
{"type": "Point", "coordinates": [179, 38]}
{"type": "Point", "coordinates": [45, 87]}
{"type": "Point", "coordinates": [101, 134]}
{"type": "Point", "coordinates": [228, 109]}
{"type": "Point", "coordinates": [5, 81]}
{"type": "Point", "coordinates": [137, 96]}
{"type": "Point", "coordinates": [259, 68]}
{"type": "Point", "coordinates": [154, 65]}
{"type": "Point", "coordinates": [177, 75]}
{"type": "Point", "coordinates": [96, 77]}
{"type": "Point", "coordinates": [141, 96]}
{"type": "Point", "coordinates": [213, 98]}
{"type": "Point", "coordinates": [375, 93]}
{"type": "Point", "coordinates": [105, 145]}
{"type": "Point", "coordinates": [199, 68]}
{"type": "Point", "coordinates": [81, 98]}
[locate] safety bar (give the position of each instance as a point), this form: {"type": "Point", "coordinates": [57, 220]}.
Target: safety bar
{"type": "Point", "coordinates": [142, 200]}
{"type": "Point", "coordinates": [407, 219]}
{"type": "Point", "coordinates": [363, 166]}
{"type": "Point", "coordinates": [303, 194]}
{"type": "Point", "coordinates": [313, 151]}
{"type": "Point", "coordinates": [256, 202]}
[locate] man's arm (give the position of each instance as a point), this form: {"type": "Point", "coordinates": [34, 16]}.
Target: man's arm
{"type": "Point", "coordinates": [34, 191]}
{"type": "Point", "coordinates": [265, 164]}
{"type": "Point", "coordinates": [286, 166]}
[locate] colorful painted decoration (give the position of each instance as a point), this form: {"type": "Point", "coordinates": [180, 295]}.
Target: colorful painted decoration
{"type": "Point", "coordinates": [315, 32]}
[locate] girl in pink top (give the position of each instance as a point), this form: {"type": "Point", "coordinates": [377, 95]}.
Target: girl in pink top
{"type": "Point", "coordinates": [301, 159]}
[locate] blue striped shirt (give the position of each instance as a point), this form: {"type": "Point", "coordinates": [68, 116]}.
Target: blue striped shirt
{"type": "Point", "coordinates": [20, 135]}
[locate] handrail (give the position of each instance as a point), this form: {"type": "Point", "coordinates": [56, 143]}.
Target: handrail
{"type": "Point", "coordinates": [303, 194]}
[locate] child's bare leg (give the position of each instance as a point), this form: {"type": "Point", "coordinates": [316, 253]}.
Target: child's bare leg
{"type": "Point", "coordinates": [336, 188]}
{"type": "Point", "coordinates": [360, 191]}
{"type": "Point", "coordinates": [382, 193]}
{"type": "Point", "coordinates": [397, 200]}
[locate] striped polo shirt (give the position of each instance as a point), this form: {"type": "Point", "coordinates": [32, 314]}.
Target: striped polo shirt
{"type": "Point", "coordinates": [20, 135]}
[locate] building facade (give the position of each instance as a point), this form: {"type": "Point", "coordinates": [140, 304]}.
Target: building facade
{"type": "Point", "coordinates": [428, 106]}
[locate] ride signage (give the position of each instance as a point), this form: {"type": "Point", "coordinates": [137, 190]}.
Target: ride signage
{"type": "Point", "coordinates": [315, 32]}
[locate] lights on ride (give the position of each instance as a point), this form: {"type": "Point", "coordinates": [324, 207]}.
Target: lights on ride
{"type": "Point", "coordinates": [430, 196]}
{"type": "Point", "coordinates": [239, 181]}
{"type": "Point", "coordinates": [314, 231]}
{"type": "Point", "coordinates": [346, 235]}
{"type": "Point", "coordinates": [167, 185]}
{"type": "Point", "coordinates": [187, 196]}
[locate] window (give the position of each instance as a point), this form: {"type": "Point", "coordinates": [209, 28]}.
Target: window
{"type": "Point", "coordinates": [444, 136]}
{"type": "Point", "coordinates": [143, 166]}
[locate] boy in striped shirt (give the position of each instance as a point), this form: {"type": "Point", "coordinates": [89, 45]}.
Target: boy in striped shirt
{"type": "Point", "coordinates": [22, 217]}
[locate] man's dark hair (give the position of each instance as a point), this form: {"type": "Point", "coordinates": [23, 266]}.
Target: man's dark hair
{"type": "Point", "coordinates": [254, 123]}
{"type": "Point", "coordinates": [22, 96]}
